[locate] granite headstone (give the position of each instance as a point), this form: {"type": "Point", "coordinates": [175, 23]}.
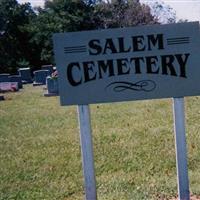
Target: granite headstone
{"type": "Point", "coordinates": [52, 86]}
{"type": "Point", "coordinates": [4, 77]}
{"type": "Point", "coordinates": [18, 79]}
{"type": "Point", "coordinates": [48, 67]}
{"type": "Point", "coordinates": [25, 73]}
{"type": "Point", "coordinates": [40, 77]}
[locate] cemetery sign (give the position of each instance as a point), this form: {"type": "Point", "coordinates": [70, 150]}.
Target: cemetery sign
{"type": "Point", "coordinates": [145, 62]}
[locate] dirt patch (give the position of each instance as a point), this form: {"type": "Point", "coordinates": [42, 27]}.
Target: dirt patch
{"type": "Point", "coordinates": [192, 197]}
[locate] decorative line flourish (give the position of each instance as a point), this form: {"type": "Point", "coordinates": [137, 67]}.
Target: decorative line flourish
{"type": "Point", "coordinates": [75, 49]}
{"type": "Point", "coordinates": [178, 40]}
{"type": "Point", "coordinates": [143, 85]}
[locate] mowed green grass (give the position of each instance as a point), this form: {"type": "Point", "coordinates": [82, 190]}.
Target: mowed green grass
{"type": "Point", "coordinates": [133, 147]}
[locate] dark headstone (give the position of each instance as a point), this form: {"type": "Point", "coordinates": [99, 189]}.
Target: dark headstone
{"type": "Point", "coordinates": [4, 77]}
{"type": "Point", "coordinates": [48, 67]}
{"type": "Point", "coordinates": [25, 73]}
{"type": "Point", "coordinates": [18, 79]}
{"type": "Point", "coordinates": [40, 77]}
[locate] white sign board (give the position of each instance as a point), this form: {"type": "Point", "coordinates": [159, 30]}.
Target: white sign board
{"type": "Point", "coordinates": [124, 64]}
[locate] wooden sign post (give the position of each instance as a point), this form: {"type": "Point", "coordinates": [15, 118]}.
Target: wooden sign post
{"type": "Point", "coordinates": [126, 64]}
{"type": "Point", "coordinates": [87, 152]}
{"type": "Point", "coordinates": [181, 150]}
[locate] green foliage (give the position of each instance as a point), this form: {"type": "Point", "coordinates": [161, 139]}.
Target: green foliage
{"type": "Point", "coordinates": [23, 63]}
{"type": "Point", "coordinates": [58, 16]}
{"type": "Point", "coordinates": [14, 41]}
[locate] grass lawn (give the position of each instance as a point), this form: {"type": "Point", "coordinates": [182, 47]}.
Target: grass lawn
{"type": "Point", "coordinates": [133, 148]}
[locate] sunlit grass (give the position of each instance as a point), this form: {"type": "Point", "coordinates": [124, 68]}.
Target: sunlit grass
{"type": "Point", "coordinates": [133, 148]}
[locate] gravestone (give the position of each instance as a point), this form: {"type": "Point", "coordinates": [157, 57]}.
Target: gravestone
{"type": "Point", "coordinates": [18, 79]}
{"type": "Point", "coordinates": [52, 86]}
{"type": "Point", "coordinates": [40, 77]}
{"type": "Point", "coordinates": [9, 86]}
{"type": "Point", "coordinates": [48, 67]}
{"type": "Point", "coordinates": [4, 77]}
{"type": "Point", "coordinates": [25, 73]}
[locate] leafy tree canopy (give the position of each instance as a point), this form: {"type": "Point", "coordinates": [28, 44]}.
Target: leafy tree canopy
{"type": "Point", "coordinates": [14, 40]}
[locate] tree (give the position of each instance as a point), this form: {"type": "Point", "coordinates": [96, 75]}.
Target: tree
{"type": "Point", "coordinates": [14, 40]}
{"type": "Point", "coordinates": [123, 13]}
{"type": "Point", "coordinates": [58, 16]}
{"type": "Point", "coordinates": [162, 12]}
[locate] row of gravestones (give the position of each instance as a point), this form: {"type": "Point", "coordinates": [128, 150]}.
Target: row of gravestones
{"type": "Point", "coordinates": [41, 77]}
